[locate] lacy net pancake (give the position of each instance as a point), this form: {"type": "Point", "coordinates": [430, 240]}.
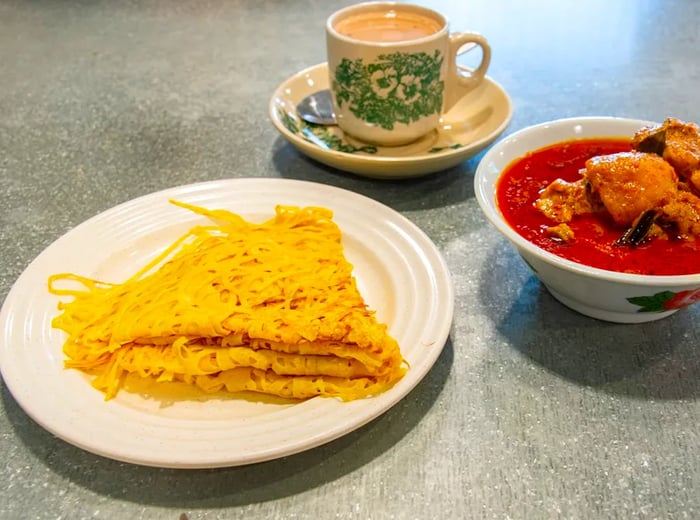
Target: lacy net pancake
{"type": "Point", "coordinates": [235, 306]}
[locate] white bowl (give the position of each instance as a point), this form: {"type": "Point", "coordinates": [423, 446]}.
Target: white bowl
{"type": "Point", "coordinates": [591, 291]}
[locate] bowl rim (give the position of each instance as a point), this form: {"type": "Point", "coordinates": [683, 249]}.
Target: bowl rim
{"type": "Point", "coordinates": [484, 179]}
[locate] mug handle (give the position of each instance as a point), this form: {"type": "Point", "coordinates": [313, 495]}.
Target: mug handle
{"type": "Point", "coordinates": [458, 84]}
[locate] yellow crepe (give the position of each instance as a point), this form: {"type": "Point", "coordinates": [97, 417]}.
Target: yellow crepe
{"type": "Point", "coordinates": [235, 306]}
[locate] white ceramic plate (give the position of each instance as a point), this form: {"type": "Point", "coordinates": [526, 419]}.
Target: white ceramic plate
{"type": "Point", "coordinates": [399, 271]}
{"type": "Point", "coordinates": [474, 123]}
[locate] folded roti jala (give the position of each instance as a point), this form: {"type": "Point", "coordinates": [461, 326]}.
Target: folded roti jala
{"type": "Point", "coordinates": [235, 306]}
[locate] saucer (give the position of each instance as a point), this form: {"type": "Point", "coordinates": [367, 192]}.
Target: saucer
{"type": "Point", "coordinates": [469, 127]}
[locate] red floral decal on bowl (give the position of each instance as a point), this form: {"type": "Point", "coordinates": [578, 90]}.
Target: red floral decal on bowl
{"type": "Point", "coordinates": [665, 300]}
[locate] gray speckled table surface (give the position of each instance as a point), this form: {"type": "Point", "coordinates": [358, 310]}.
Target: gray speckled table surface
{"type": "Point", "coordinates": [531, 411]}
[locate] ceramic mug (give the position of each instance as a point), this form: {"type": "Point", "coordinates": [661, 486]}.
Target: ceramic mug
{"type": "Point", "coordinates": [393, 70]}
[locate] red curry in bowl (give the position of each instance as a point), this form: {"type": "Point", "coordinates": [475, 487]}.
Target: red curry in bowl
{"type": "Point", "coordinates": [625, 205]}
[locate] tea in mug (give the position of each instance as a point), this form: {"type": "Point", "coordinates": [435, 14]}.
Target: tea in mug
{"type": "Point", "coordinates": [394, 25]}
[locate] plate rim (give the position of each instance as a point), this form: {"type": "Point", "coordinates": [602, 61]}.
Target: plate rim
{"type": "Point", "coordinates": [376, 406]}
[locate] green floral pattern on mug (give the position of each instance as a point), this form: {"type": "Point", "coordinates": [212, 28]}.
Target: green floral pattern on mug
{"type": "Point", "coordinates": [399, 88]}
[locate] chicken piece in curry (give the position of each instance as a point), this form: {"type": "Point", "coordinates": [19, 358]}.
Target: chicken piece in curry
{"type": "Point", "coordinates": [652, 191]}
{"type": "Point", "coordinates": [678, 143]}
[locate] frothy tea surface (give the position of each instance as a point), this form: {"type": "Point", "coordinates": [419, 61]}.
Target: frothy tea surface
{"type": "Point", "coordinates": [387, 26]}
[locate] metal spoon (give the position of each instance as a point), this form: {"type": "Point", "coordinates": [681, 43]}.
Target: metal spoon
{"type": "Point", "coordinates": [317, 108]}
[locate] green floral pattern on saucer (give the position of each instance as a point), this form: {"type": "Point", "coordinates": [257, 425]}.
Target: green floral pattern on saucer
{"type": "Point", "coordinates": [437, 149]}
{"type": "Point", "coordinates": [320, 135]}
{"type": "Point", "coordinates": [323, 137]}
